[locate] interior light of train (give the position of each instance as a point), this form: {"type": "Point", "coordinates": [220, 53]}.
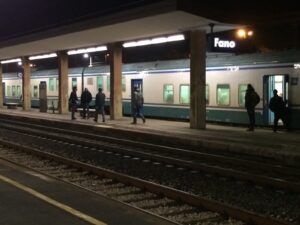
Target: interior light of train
{"type": "Point", "coordinates": [297, 66]}
{"type": "Point", "coordinates": [159, 40]}
{"type": "Point", "coordinates": [11, 61]}
{"type": "Point", "coordinates": [46, 56]}
{"type": "Point", "coordinates": [87, 50]}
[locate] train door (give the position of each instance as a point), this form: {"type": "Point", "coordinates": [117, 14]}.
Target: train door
{"type": "Point", "coordinates": [136, 83]}
{"type": "Point", "coordinates": [3, 91]}
{"type": "Point", "coordinates": [271, 82]}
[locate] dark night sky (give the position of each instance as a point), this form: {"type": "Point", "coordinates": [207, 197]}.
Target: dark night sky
{"type": "Point", "coordinates": [275, 23]}
{"type": "Point", "coordinates": [24, 17]}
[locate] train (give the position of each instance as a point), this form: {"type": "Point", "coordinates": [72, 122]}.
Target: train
{"type": "Point", "coordinates": [166, 85]}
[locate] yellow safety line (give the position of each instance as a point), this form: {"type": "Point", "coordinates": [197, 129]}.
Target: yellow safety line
{"type": "Point", "coordinates": [51, 201]}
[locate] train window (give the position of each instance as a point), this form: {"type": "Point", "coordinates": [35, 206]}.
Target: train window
{"type": "Point", "coordinates": [8, 91]}
{"type": "Point", "coordinates": [74, 82]}
{"type": "Point", "coordinates": [13, 90]}
{"type": "Point", "coordinates": [19, 91]}
{"type": "Point", "coordinates": [51, 84]}
{"type": "Point", "coordinates": [90, 80]}
{"type": "Point", "coordinates": [223, 94]}
{"type": "Point", "coordinates": [99, 82]}
{"type": "Point", "coordinates": [35, 91]}
{"type": "Point", "coordinates": [242, 92]}
{"type": "Point", "coordinates": [108, 83]}
{"type": "Point", "coordinates": [184, 94]}
{"type": "Point", "coordinates": [123, 83]}
{"type": "Point", "coordinates": [57, 84]}
{"type": "Point", "coordinates": [206, 94]}
{"type": "Point", "coordinates": [168, 93]}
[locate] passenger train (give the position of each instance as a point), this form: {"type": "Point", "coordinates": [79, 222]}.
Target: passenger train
{"type": "Point", "coordinates": [166, 89]}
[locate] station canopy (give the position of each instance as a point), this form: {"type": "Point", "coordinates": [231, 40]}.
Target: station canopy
{"type": "Point", "coordinates": [153, 20]}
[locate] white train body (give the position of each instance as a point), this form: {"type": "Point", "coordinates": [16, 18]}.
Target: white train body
{"type": "Point", "coordinates": [165, 82]}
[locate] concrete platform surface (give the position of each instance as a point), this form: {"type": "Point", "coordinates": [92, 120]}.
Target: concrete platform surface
{"type": "Point", "coordinates": [30, 198]}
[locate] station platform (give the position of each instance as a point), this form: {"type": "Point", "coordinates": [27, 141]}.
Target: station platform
{"type": "Point", "coordinates": [30, 198]}
{"type": "Point", "coordinates": [282, 146]}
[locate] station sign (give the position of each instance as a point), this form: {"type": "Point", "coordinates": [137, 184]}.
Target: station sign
{"type": "Point", "coordinates": [219, 44]}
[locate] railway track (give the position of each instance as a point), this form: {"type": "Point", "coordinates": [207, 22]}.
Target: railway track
{"type": "Point", "coordinates": [174, 205]}
{"type": "Point", "coordinates": [275, 175]}
{"type": "Point", "coordinates": [86, 148]}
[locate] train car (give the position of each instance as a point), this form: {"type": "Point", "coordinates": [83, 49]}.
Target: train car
{"type": "Point", "coordinates": [166, 89]}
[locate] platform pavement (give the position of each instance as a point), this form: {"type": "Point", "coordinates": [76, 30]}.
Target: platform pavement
{"type": "Point", "coordinates": [29, 197]}
{"type": "Point", "coordinates": [283, 146]}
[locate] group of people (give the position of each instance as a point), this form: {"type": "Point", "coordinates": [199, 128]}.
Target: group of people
{"type": "Point", "coordinates": [86, 98]}
{"type": "Point", "coordinates": [276, 105]}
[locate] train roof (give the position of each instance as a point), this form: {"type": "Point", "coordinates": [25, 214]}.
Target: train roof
{"type": "Point", "coordinates": [214, 60]}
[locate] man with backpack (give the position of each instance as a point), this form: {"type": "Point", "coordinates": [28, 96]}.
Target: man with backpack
{"type": "Point", "coordinates": [251, 100]}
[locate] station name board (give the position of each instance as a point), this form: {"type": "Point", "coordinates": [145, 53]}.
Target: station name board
{"type": "Point", "coordinates": [219, 44]}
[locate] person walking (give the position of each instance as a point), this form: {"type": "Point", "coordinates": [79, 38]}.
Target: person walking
{"type": "Point", "coordinates": [86, 98]}
{"type": "Point", "coordinates": [277, 106]}
{"type": "Point", "coordinates": [99, 105]}
{"type": "Point", "coordinates": [137, 105]}
{"type": "Point", "coordinates": [73, 99]}
{"type": "Point", "coordinates": [251, 100]}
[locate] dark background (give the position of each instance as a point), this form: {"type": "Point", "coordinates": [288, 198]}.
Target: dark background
{"type": "Point", "coordinates": [275, 24]}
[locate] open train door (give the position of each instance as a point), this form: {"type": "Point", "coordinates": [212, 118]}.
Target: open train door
{"type": "Point", "coordinates": [271, 82]}
{"type": "Point", "coordinates": [136, 83]}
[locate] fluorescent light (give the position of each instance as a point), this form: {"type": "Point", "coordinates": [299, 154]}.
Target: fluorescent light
{"type": "Point", "coordinates": [11, 61]}
{"type": "Point", "coordinates": [87, 50]}
{"type": "Point", "coordinates": [178, 37]}
{"type": "Point", "coordinates": [51, 55]}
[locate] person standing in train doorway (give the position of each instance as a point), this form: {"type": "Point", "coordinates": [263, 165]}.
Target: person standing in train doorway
{"type": "Point", "coordinates": [277, 106]}
{"type": "Point", "coordinates": [73, 99]}
{"type": "Point", "coordinates": [99, 105]}
{"type": "Point", "coordinates": [86, 98]}
{"type": "Point", "coordinates": [137, 105]}
{"type": "Point", "coordinates": [251, 100]}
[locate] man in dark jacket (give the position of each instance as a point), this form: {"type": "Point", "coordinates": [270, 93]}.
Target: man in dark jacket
{"type": "Point", "coordinates": [277, 106]}
{"type": "Point", "coordinates": [251, 100]}
{"type": "Point", "coordinates": [137, 105]}
{"type": "Point", "coordinates": [86, 98]}
{"type": "Point", "coordinates": [73, 99]}
{"type": "Point", "coordinates": [99, 105]}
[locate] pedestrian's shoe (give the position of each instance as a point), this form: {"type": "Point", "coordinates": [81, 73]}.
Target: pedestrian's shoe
{"type": "Point", "coordinates": [103, 121]}
{"type": "Point", "coordinates": [95, 120]}
{"type": "Point", "coordinates": [250, 129]}
{"type": "Point", "coordinates": [134, 121]}
{"type": "Point", "coordinates": [73, 118]}
{"type": "Point", "coordinates": [144, 120]}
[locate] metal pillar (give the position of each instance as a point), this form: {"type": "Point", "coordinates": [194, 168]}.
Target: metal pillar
{"type": "Point", "coordinates": [198, 73]}
{"type": "Point", "coordinates": [63, 102]}
{"type": "Point", "coordinates": [26, 84]}
{"type": "Point", "coordinates": [2, 95]}
{"type": "Point", "coordinates": [115, 81]}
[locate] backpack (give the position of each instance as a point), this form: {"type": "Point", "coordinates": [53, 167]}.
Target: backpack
{"type": "Point", "coordinates": [256, 98]}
